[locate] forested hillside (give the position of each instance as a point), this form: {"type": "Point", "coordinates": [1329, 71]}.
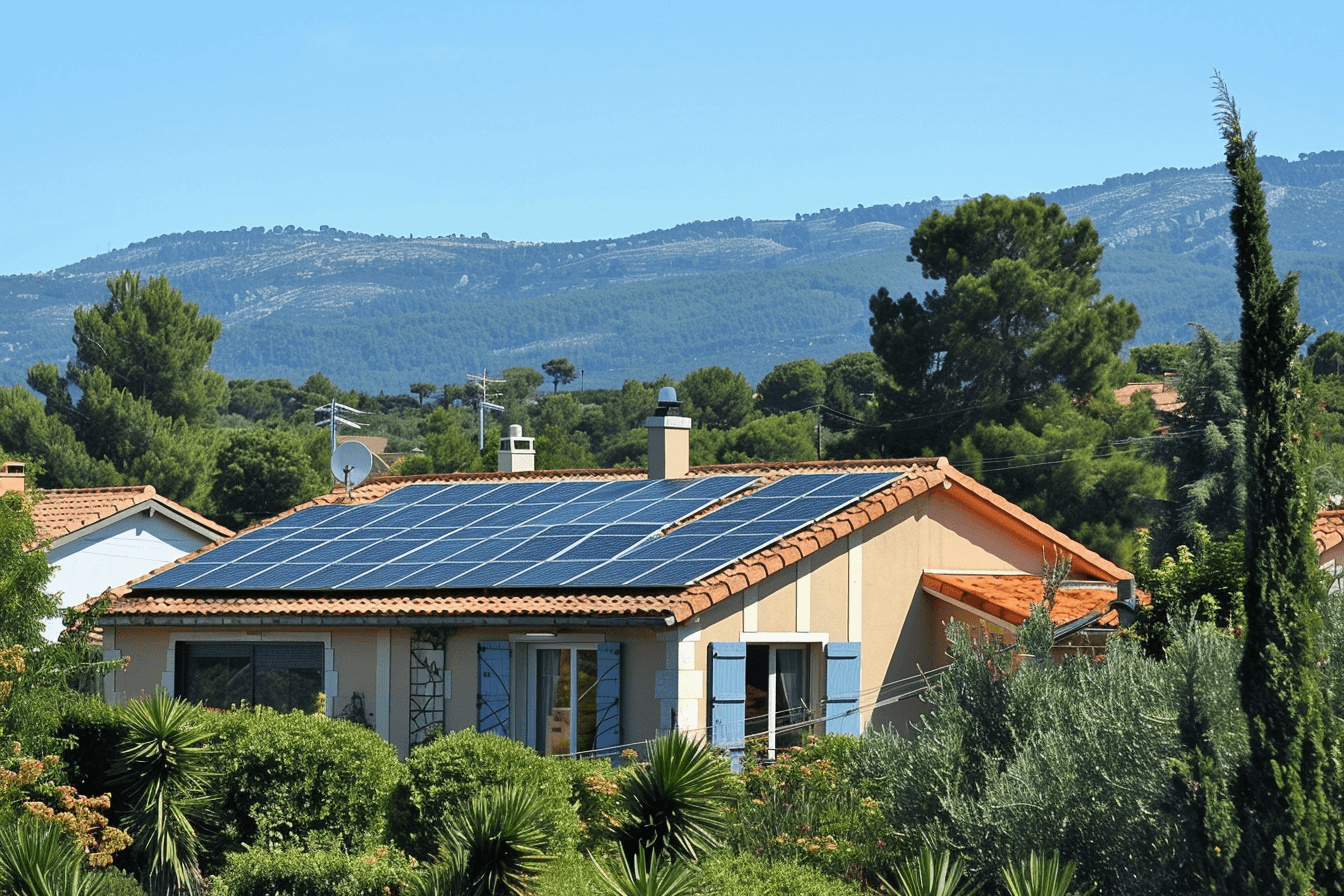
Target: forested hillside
{"type": "Point", "coordinates": [378, 312]}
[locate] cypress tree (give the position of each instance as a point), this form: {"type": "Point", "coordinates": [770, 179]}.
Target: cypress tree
{"type": "Point", "coordinates": [1285, 817]}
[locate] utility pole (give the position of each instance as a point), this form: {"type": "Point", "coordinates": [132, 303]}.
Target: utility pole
{"type": "Point", "coordinates": [484, 404]}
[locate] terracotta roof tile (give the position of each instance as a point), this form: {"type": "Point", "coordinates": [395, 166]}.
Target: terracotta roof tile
{"type": "Point", "coordinates": [1328, 529]}
{"type": "Point", "coordinates": [1164, 395]}
{"type": "Point", "coordinates": [1009, 597]}
{"type": "Point", "coordinates": [61, 511]}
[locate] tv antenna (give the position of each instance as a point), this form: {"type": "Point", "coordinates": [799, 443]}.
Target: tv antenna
{"type": "Point", "coordinates": [484, 404]}
{"type": "Point", "coordinates": [351, 463]}
{"type": "Point", "coordinates": [334, 418]}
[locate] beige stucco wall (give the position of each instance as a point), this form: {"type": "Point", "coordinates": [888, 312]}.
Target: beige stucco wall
{"type": "Point", "coordinates": [357, 652]}
{"type": "Point", "coordinates": [901, 628]}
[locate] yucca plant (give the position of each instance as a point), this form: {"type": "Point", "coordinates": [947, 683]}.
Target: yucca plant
{"type": "Point", "coordinates": [930, 874]}
{"type": "Point", "coordinates": [164, 766]}
{"type": "Point", "coordinates": [38, 859]}
{"type": "Point", "coordinates": [648, 876]}
{"type": "Point", "coordinates": [1039, 875]}
{"type": "Point", "coordinates": [493, 848]}
{"type": "Point", "coordinates": [674, 803]}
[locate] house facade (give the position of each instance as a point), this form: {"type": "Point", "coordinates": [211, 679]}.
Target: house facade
{"type": "Point", "coordinates": [100, 538]}
{"type": "Point", "coordinates": [587, 611]}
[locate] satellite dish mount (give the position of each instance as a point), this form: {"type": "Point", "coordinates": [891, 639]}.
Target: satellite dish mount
{"type": "Point", "coordinates": [351, 464]}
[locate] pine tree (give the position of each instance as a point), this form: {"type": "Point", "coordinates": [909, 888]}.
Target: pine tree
{"type": "Point", "coordinates": [1287, 836]}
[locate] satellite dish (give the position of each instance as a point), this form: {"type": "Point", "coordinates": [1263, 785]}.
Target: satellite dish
{"type": "Point", "coordinates": [351, 463]}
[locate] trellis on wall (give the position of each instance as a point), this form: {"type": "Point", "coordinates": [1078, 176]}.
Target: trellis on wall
{"type": "Point", "coordinates": [429, 683]}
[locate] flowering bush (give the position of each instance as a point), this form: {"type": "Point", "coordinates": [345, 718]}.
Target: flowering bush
{"type": "Point", "coordinates": [804, 807]}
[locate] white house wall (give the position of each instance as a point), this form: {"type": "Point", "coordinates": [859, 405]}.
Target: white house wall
{"type": "Point", "coordinates": [113, 555]}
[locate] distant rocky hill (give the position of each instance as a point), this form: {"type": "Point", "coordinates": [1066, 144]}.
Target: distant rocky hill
{"type": "Point", "coordinates": [378, 312]}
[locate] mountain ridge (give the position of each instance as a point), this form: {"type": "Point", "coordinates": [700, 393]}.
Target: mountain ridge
{"type": "Point", "coordinates": [294, 301]}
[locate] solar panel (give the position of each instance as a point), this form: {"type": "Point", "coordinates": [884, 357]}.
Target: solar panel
{"type": "Point", "coordinates": [523, 534]}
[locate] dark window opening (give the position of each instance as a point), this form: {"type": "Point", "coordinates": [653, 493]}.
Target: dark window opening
{"type": "Point", "coordinates": [227, 674]}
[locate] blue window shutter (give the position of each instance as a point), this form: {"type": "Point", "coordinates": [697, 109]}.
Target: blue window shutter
{"type": "Point", "coordinates": [728, 694]}
{"type": "Point", "coordinates": [608, 696]}
{"type": "Point", "coordinates": [842, 687]}
{"type": "Point", "coordinates": [492, 687]}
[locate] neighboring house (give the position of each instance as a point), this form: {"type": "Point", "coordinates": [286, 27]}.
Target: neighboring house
{"type": "Point", "coordinates": [1163, 393]}
{"type": "Point", "coordinates": [1328, 529]}
{"type": "Point", "coordinates": [100, 538]}
{"type": "Point", "coordinates": [589, 610]}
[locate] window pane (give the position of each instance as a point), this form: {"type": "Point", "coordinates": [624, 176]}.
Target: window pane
{"type": "Point", "coordinates": [217, 681]}
{"type": "Point", "coordinates": [286, 689]}
{"type": "Point", "coordinates": [790, 695]}
{"type": "Point", "coordinates": [553, 711]}
{"type": "Point", "coordinates": [758, 693]}
{"type": "Point", "coordinates": [585, 703]}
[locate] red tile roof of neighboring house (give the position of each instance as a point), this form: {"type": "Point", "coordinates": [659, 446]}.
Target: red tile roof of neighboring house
{"type": "Point", "coordinates": [63, 511]}
{"type": "Point", "coordinates": [672, 605]}
{"type": "Point", "coordinates": [1009, 597]}
{"type": "Point", "coordinates": [1328, 529]}
{"type": "Point", "coordinates": [1163, 394]}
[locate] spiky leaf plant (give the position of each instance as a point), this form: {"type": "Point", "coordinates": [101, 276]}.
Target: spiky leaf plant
{"type": "Point", "coordinates": [930, 874]}
{"type": "Point", "coordinates": [164, 766]}
{"type": "Point", "coordinates": [37, 859]}
{"type": "Point", "coordinates": [674, 803]}
{"type": "Point", "coordinates": [648, 875]}
{"type": "Point", "coordinates": [1042, 875]}
{"type": "Point", "coordinates": [493, 848]}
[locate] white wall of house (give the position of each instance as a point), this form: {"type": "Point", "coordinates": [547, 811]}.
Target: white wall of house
{"type": "Point", "coordinates": [107, 556]}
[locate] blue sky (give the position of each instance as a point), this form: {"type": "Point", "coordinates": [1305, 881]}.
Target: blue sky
{"type": "Point", "coordinates": [583, 120]}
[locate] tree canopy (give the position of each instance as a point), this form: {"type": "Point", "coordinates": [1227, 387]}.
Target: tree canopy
{"type": "Point", "coordinates": [152, 344]}
{"type": "Point", "coordinates": [24, 603]}
{"type": "Point", "coordinates": [1019, 310]}
{"type": "Point", "coordinates": [561, 372]}
{"type": "Point", "coordinates": [1290, 829]}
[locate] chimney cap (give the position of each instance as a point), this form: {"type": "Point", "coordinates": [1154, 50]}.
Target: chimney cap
{"type": "Point", "coordinates": [667, 402]}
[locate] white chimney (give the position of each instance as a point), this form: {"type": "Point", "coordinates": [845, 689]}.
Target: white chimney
{"type": "Point", "coordinates": [516, 454]}
{"type": "Point", "coordinates": [669, 438]}
{"type": "Point", "coordinates": [11, 476]}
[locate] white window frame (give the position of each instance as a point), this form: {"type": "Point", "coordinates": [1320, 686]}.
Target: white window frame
{"type": "Point", "coordinates": [524, 698]}
{"type": "Point", "coordinates": [809, 645]}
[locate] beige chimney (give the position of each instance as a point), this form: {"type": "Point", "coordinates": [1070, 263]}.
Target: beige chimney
{"type": "Point", "coordinates": [669, 438]}
{"type": "Point", "coordinates": [11, 476]}
{"type": "Point", "coordinates": [516, 454]}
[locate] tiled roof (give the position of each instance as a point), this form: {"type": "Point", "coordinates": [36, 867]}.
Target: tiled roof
{"type": "Point", "coordinates": [1009, 597]}
{"type": "Point", "coordinates": [1328, 529]}
{"type": "Point", "coordinates": [63, 511]}
{"type": "Point", "coordinates": [678, 605]}
{"type": "Point", "coordinates": [1163, 394]}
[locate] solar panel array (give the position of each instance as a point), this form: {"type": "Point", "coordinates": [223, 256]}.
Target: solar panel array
{"type": "Point", "coordinates": [521, 535]}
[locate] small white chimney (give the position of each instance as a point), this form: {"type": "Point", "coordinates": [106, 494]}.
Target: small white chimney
{"type": "Point", "coordinates": [516, 454]}
{"type": "Point", "coordinates": [669, 438]}
{"type": "Point", "coordinates": [11, 476]}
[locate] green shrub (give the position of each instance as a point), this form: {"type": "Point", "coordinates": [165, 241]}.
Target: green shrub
{"type": "Point", "coordinates": [725, 874]}
{"type": "Point", "coordinates": [95, 732]}
{"type": "Point", "coordinates": [116, 882]}
{"type": "Point", "coordinates": [806, 807]}
{"type": "Point", "coordinates": [1086, 759]}
{"type": "Point", "coordinates": [295, 778]}
{"type": "Point", "coordinates": [442, 776]}
{"type": "Point", "coordinates": [595, 791]}
{"type": "Point", "coordinates": [291, 872]}
{"type": "Point", "coordinates": [721, 874]}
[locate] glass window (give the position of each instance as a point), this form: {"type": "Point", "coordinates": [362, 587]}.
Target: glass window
{"type": "Point", "coordinates": [565, 702]}
{"type": "Point", "coordinates": [777, 695]}
{"type": "Point", "coordinates": [223, 674]}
